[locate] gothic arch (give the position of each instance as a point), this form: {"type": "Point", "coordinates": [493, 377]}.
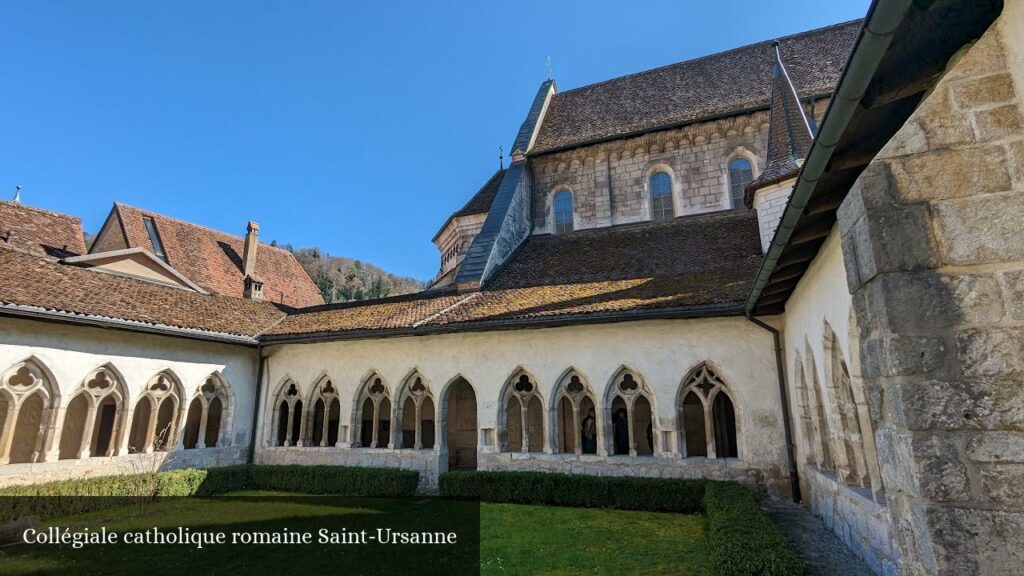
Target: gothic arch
{"type": "Point", "coordinates": [153, 422]}
{"type": "Point", "coordinates": [371, 413]}
{"type": "Point", "coordinates": [460, 434]}
{"type": "Point", "coordinates": [819, 416]}
{"type": "Point", "coordinates": [706, 410]}
{"type": "Point", "coordinates": [521, 414]}
{"type": "Point", "coordinates": [574, 429]}
{"type": "Point", "coordinates": [630, 415]}
{"type": "Point", "coordinates": [804, 411]}
{"type": "Point", "coordinates": [28, 401]}
{"type": "Point", "coordinates": [209, 414]}
{"type": "Point", "coordinates": [95, 416]}
{"type": "Point", "coordinates": [286, 415]}
{"type": "Point", "coordinates": [323, 418]}
{"type": "Point", "coordinates": [416, 413]}
{"type": "Point", "coordinates": [853, 467]}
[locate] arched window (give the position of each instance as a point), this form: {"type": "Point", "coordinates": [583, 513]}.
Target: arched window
{"type": "Point", "coordinates": [208, 414]}
{"type": "Point", "coordinates": [522, 415]}
{"type": "Point", "coordinates": [563, 211]}
{"type": "Point", "coordinates": [854, 471]}
{"type": "Point", "coordinates": [706, 415]}
{"type": "Point", "coordinates": [372, 417]}
{"type": "Point", "coordinates": [324, 416]}
{"type": "Point", "coordinates": [819, 419]}
{"type": "Point", "coordinates": [93, 419]}
{"type": "Point", "coordinates": [576, 420]}
{"type": "Point", "coordinates": [661, 196]}
{"type": "Point", "coordinates": [632, 429]}
{"type": "Point", "coordinates": [26, 408]}
{"type": "Point", "coordinates": [459, 423]}
{"type": "Point", "coordinates": [154, 421]}
{"type": "Point", "coordinates": [417, 414]}
{"type": "Point", "coordinates": [804, 410]}
{"type": "Point", "coordinates": [288, 415]}
{"type": "Point", "coordinates": [741, 173]}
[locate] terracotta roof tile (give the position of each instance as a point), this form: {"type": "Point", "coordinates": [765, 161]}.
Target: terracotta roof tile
{"type": "Point", "coordinates": [213, 259]}
{"type": "Point", "coordinates": [717, 85]}
{"type": "Point", "coordinates": [40, 231]}
{"type": "Point", "coordinates": [32, 281]}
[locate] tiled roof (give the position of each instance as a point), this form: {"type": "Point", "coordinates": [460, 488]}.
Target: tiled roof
{"type": "Point", "coordinates": [30, 281]}
{"type": "Point", "coordinates": [213, 259]}
{"type": "Point", "coordinates": [40, 231]}
{"type": "Point", "coordinates": [790, 132]}
{"type": "Point", "coordinates": [480, 203]}
{"type": "Point", "coordinates": [718, 85]}
{"type": "Point", "coordinates": [692, 262]}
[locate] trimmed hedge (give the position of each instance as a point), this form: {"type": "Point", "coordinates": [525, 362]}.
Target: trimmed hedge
{"type": "Point", "coordinates": [653, 494]}
{"type": "Point", "coordinates": [68, 497]}
{"type": "Point", "coordinates": [741, 539]}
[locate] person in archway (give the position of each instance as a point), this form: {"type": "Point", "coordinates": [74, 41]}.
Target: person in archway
{"type": "Point", "coordinates": [589, 433]}
{"type": "Point", "coordinates": [620, 424]}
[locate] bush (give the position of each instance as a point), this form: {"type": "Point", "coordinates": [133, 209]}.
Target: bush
{"type": "Point", "coordinates": [342, 480]}
{"type": "Point", "coordinates": [652, 494]}
{"type": "Point", "coordinates": [741, 539]}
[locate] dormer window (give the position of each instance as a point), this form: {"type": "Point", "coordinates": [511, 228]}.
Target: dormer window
{"type": "Point", "coordinates": [740, 174]}
{"type": "Point", "coordinates": [661, 196]}
{"type": "Point", "coordinates": [563, 212]}
{"type": "Point", "coordinates": [154, 238]}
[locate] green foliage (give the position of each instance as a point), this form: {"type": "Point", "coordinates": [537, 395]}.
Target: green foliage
{"type": "Point", "coordinates": [742, 540]}
{"type": "Point", "coordinates": [367, 482]}
{"type": "Point", "coordinates": [343, 280]}
{"type": "Point", "coordinates": [650, 494]}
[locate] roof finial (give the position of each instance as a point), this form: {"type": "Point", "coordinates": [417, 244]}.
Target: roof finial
{"type": "Point", "coordinates": [547, 63]}
{"type": "Point", "coordinates": [17, 194]}
{"type": "Point", "coordinates": [778, 55]}
{"type": "Point", "coordinates": [501, 157]}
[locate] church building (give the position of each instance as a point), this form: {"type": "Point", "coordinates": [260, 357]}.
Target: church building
{"type": "Point", "coordinates": [795, 264]}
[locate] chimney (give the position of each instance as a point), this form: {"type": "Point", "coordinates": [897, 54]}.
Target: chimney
{"type": "Point", "coordinates": [253, 286]}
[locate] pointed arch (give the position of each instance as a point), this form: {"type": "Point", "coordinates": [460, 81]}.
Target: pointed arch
{"type": "Point", "coordinates": [574, 420]}
{"type": "Point", "coordinates": [521, 413]}
{"type": "Point", "coordinates": [853, 466]}
{"type": "Point", "coordinates": [631, 425]}
{"type": "Point", "coordinates": [819, 417]}
{"type": "Point", "coordinates": [208, 417]}
{"type": "Point", "coordinates": [28, 401]}
{"type": "Point", "coordinates": [285, 416]}
{"type": "Point", "coordinates": [371, 413]}
{"type": "Point", "coordinates": [804, 411]}
{"type": "Point", "coordinates": [706, 412]}
{"type": "Point", "coordinates": [415, 413]}
{"type": "Point", "coordinates": [460, 434]}
{"type": "Point", "coordinates": [324, 413]}
{"type": "Point", "coordinates": [94, 421]}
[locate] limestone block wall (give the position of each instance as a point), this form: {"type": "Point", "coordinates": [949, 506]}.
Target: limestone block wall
{"type": "Point", "coordinates": [932, 243]}
{"type": "Point", "coordinates": [659, 353]}
{"type": "Point", "coordinates": [836, 455]}
{"type": "Point", "coordinates": [63, 357]}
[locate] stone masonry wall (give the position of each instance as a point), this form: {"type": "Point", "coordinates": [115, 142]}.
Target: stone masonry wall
{"type": "Point", "coordinates": [934, 253]}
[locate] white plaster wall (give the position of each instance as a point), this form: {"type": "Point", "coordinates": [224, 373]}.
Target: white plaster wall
{"type": "Point", "coordinates": [661, 352]}
{"type": "Point", "coordinates": [770, 202]}
{"type": "Point", "coordinates": [70, 353]}
{"type": "Point", "coordinates": [859, 517]}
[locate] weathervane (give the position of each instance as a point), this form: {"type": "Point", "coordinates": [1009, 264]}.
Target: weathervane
{"type": "Point", "coordinates": [501, 157]}
{"type": "Point", "coordinates": [547, 63]}
{"type": "Point", "coordinates": [17, 194]}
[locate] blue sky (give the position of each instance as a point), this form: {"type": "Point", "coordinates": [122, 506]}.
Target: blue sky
{"type": "Point", "coordinates": [355, 127]}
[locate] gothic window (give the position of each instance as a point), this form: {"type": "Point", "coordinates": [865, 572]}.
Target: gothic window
{"type": "Point", "coordinates": [325, 417]}
{"type": "Point", "coordinates": [707, 415]}
{"type": "Point", "coordinates": [288, 419]}
{"type": "Point", "coordinates": [26, 407]}
{"type": "Point", "coordinates": [854, 470]}
{"type": "Point", "coordinates": [819, 419]}
{"type": "Point", "coordinates": [154, 420]}
{"type": "Point", "coordinates": [373, 414]}
{"type": "Point", "coordinates": [661, 196]}
{"type": "Point", "coordinates": [741, 173]}
{"type": "Point", "coordinates": [417, 414]}
{"type": "Point", "coordinates": [93, 419]}
{"type": "Point", "coordinates": [576, 422]}
{"type": "Point", "coordinates": [632, 429]}
{"type": "Point", "coordinates": [563, 211]}
{"type": "Point", "coordinates": [208, 415]}
{"type": "Point", "coordinates": [523, 415]}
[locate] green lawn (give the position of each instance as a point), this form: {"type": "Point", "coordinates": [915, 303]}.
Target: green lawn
{"type": "Point", "coordinates": [514, 539]}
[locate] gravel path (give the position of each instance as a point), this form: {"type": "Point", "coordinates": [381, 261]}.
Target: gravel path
{"type": "Point", "coordinates": [823, 551]}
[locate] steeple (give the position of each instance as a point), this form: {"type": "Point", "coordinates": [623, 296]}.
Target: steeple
{"type": "Point", "coordinates": [790, 130]}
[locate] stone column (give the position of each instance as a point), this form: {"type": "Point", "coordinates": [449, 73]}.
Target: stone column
{"type": "Point", "coordinates": [419, 426]}
{"type": "Point", "coordinates": [525, 422]}
{"type": "Point", "coordinates": [934, 250]}
{"type": "Point", "coordinates": [204, 414]}
{"type": "Point", "coordinates": [85, 448]}
{"type": "Point", "coordinates": [53, 448]}
{"type": "Point", "coordinates": [376, 424]}
{"type": "Point", "coordinates": [577, 433]}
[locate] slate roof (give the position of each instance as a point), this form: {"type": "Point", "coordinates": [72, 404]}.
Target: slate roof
{"type": "Point", "coordinates": [30, 281]}
{"type": "Point", "coordinates": [790, 133]}
{"type": "Point", "coordinates": [695, 262]}
{"type": "Point", "coordinates": [480, 203]}
{"type": "Point", "coordinates": [713, 86]}
{"type": "Point", "coordinates": [213, 259]}
{"type": "Point", "coordinates": [40, 231]}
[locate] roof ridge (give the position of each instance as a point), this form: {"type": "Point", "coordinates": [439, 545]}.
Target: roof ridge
{"type": "Point", "coordinates": [193, 224]}
{"type": "Point", "coordinates": [714, 54]}
{"type": "Point", "coordinates": [43, 210]}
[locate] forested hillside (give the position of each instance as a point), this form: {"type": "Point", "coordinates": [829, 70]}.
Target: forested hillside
{"type": "Point", "coordinates": [343, 279]}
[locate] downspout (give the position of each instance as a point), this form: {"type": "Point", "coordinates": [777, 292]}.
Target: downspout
{"type": "Point", "coordinates": [794, 477]}
{"type": "Point", "coordinates": [257, 401]}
